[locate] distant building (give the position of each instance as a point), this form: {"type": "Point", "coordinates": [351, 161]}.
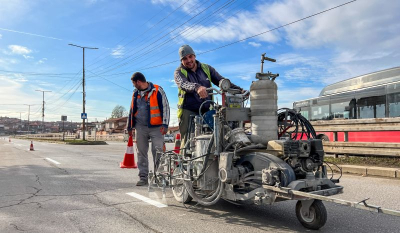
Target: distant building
{"type": "Point", "coordinates": [114, 125]}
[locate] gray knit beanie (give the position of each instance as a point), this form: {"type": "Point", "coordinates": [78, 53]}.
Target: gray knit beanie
{"type": "Point", "coordinates": [185, 50]}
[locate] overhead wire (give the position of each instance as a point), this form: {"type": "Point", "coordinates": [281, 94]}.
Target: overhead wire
{"type": "Point", "coordinates": [101, 76]}
{"type": "Point", "coordinates": [142, 34]}
{"type": "Point", "coordinates": [189, 30]}
{"type": "Point", "coordinates": [255, 35]}
{"type": "Point", "coordinates": [211, 28]}
{"type": "Point", "coordinates": [163, 36]}
{"type": "Point", "coordinates": [181, 33]}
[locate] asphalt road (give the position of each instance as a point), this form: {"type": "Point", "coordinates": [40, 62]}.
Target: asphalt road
{"type": "Point", "coordinates": [87, 192]}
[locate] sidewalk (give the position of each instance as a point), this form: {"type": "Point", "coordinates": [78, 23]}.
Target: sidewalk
{"type": "Point", "coordinates": [372, 171]}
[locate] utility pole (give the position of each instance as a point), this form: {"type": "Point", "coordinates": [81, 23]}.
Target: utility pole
{"type": "Point", "coordinates": [83, 85]}
{"type": "Point", "coordinates": [43, 110]}
{"type": "Point", "coordinates": [29, 112]}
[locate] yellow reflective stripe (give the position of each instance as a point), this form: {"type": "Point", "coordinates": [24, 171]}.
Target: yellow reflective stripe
{"type": "Point", "coordinates": [181, 93]}
{"type": "Point", "coordinates": [184, 72]}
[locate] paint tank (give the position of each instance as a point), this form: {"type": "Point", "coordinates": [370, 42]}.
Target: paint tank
{"type": "Point", "coordinates": [263, 105]}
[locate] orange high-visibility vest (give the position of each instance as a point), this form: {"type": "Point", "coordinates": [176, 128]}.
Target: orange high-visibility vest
{"type": "Point", "coordinates": [155, 113]}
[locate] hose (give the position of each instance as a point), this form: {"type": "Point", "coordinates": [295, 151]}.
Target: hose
{"type": "Point", "coordinates": [208, 201]}
{"type": "Point", "coordinates": [298, 121]}
{"type": "Point", "coordinates": [258, 146]}
{"type": "Point", "coordinates": [252, 173]}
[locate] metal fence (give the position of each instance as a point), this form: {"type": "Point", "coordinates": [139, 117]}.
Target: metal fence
{"type": "Point", "coordinates": [59, 137]}
{"type": "Point", "coordinates": [47, 136]}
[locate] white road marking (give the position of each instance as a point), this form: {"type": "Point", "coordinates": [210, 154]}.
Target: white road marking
{"type": "Point", "coordinates": [147, 200]}
{"type": "Point", "coordinates": [53, 161]}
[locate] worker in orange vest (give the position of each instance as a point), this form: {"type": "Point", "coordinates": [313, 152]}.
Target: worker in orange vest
{"type": "Point", "coordinates": [149, 116]}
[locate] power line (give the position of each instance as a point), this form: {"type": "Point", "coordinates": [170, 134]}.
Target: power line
{"type": "Point", "coordinates": [259, 34]}
{"type": "Point", "coordinates": [100, 76]}
{"type": "Point", "coordinates": [176, 28]}
{"type": "Point", "coordinates": [149, 38]}
{"type": "Point", "coordinates": [119, 49]}
{"type": "Point", "coordinates": [193, 31]}
{"type": "Point", "coordinates": [186, 30]}
{"type": "Point", "coordinates": [238, 41]}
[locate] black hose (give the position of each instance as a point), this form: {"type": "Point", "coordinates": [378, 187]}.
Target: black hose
{"type": "Point", "coordinates": [301, 125]}
{"type": "Point", "coordinates": [258, 146]}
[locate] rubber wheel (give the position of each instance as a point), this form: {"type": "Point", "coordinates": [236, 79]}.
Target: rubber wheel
{"type": "Point", "coordinates": [317, 218]}
{"type": "Point", "coordinates": [323, 137]}
{"type": "Point", "coordinates": [179, 190]}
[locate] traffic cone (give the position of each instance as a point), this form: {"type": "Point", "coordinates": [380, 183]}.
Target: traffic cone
{"type": "Point", "coordinates": [177, 143]}
{"type": "Point", "coordinates": [31, 148]}
{"type": "Point", "coordinates": [129, 159]}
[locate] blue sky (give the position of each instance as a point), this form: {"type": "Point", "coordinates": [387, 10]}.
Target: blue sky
{"type": "Point", "coordinates": [142, 35]}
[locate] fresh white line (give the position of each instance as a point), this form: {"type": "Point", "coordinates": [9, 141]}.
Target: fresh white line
{"type": "Point", "coordinates": [53, 161]}
{"type": "Point", "coordinates": [147, 200]}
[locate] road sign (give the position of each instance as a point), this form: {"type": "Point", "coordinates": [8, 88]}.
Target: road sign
{"type": "Point", "coordinates": [84, 115]}
{"type": "Point", "coordinates": [64, 118]}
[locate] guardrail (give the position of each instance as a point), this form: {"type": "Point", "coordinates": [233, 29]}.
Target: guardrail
{"type": "Point", "coordinates": [356, 125]}
{"type": "Point", "coordinates": [47, 136]}
{"type": "Point", "coordinates": [59, 136]}
{"type": "Point", "coordinates": [363, 148]}
{"type": "Point", "coordinates": [108, 137]}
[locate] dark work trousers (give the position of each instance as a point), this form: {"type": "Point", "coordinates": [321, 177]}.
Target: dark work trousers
{"type": "Point", "coordinates": [143, 134]}
{"type": "Point", "coordinates": [184, 126]}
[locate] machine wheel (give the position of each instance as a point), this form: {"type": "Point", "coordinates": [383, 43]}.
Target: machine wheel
{"type": "Point", "coordinates": [323, 137]}
{"type": "Point", "coordinates": [317, 215]}
{"type": "Point", "coordinates": [179, 190]}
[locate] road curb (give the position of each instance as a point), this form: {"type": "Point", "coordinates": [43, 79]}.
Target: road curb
{"type": "Point", "coordinates": [373, 171]}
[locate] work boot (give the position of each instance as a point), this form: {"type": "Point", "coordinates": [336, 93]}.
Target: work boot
{"type": "Point", "coordinates": [142, 182]}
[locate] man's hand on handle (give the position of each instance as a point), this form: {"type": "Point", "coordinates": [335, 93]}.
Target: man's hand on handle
{"type": "Point", "coordinates": [202, 91]}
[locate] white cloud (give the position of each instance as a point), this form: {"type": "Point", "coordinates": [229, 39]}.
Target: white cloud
{"type": "Point", "coordinates": [18, 49]}
{"type": "Point", "coordinates": [1, 36]}
{"type": "Point", "coordinates": [27, 57]}
{"type": "Point", "coordinates": [362, 27]}
{"type": "Point", "coordinates": [118, 52]}
{"type": "Point", "coordinates": [5, 63]}
{"type": "Point", "coordinates": [14, 85]}
{"type": "Point", "coordinates": [173, 83]}
{"type": "Point", "coordinates": [14, 11]}
{"type": "Point", "coordinates": [254, 44]}
{"type": "Point", "coordinates": [41, 61]}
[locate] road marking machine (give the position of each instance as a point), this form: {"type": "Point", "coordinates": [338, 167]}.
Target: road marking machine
{"type": "Point", "coordinates": [279, 158]}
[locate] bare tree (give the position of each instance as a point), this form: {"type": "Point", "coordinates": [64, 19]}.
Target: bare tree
{"type": "Point", "coordinates": [118, 111]}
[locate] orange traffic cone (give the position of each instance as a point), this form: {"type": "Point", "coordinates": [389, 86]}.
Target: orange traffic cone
{"type": "Point", "coordinates": [129, 159]}
{"type": "Point", "coordinates": [31, 148]}
{"type": "Point", "coordinates": [177, 143]}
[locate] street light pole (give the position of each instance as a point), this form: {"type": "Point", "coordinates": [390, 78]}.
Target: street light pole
{"type": "Point", "coordinates": [83, 85]}
{"type": "Point", "coordinates": [43, 110]}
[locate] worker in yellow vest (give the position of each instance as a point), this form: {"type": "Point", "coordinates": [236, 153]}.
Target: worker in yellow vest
{"type": "Point", "coordinates": [149, 115]}
{"type": "Point", "coordinates": [193, 78]}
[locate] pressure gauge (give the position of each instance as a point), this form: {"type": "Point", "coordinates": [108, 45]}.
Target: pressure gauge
{"type": "Point", "coordinates": [225, 84]}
